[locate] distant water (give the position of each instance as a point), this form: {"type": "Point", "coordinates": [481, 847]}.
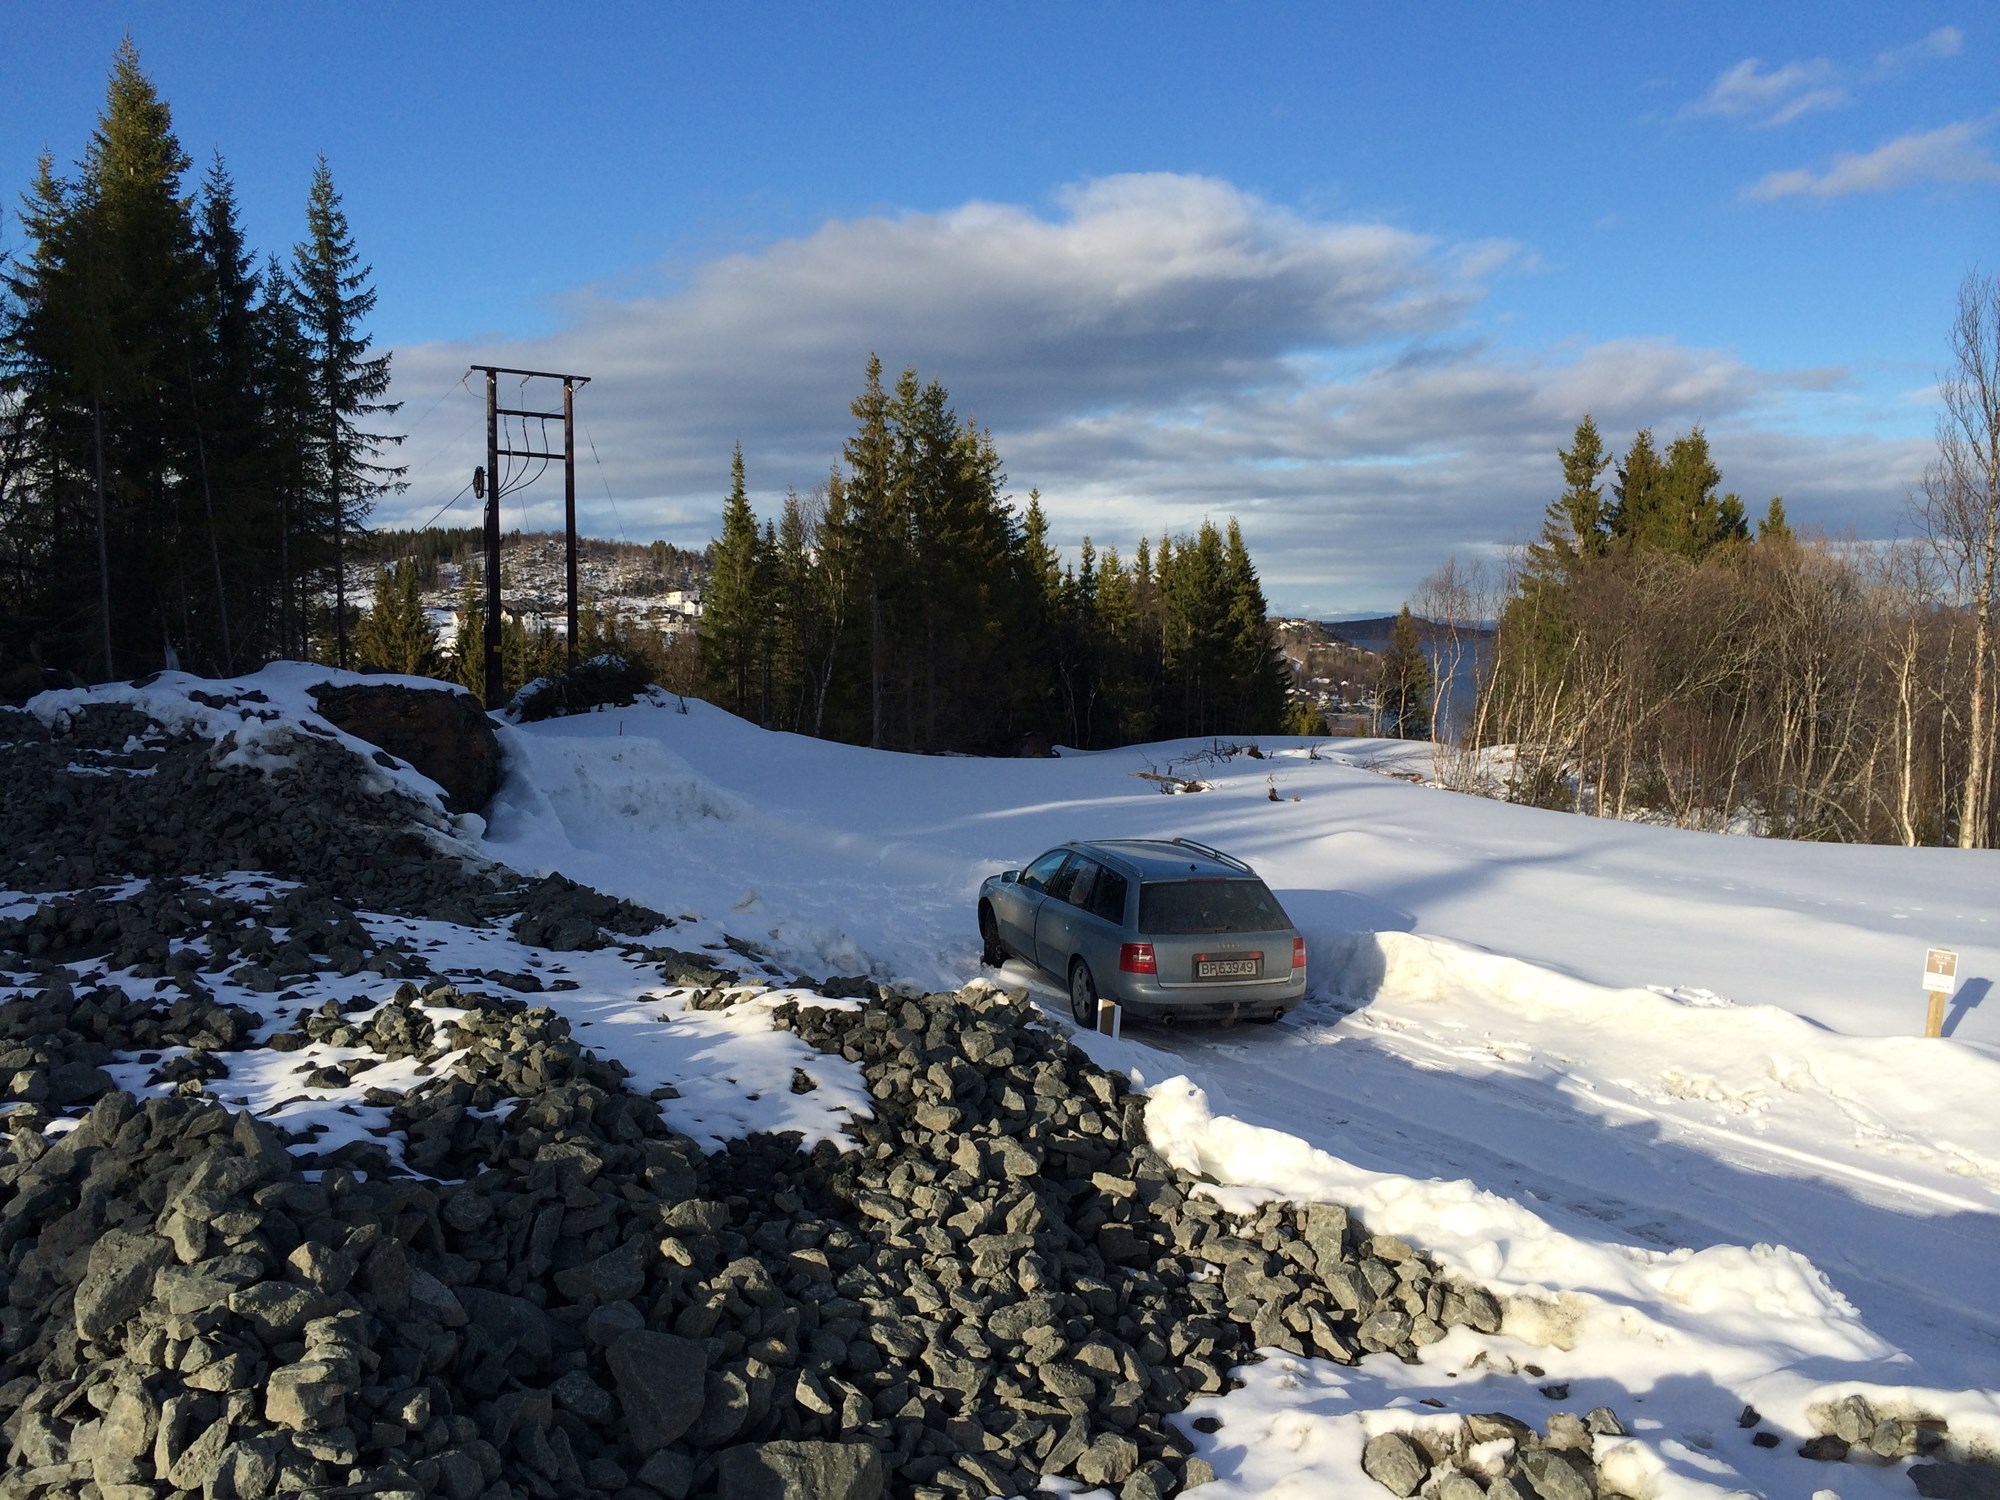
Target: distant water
{"type": "Point", "coordinates": [1473, 649]}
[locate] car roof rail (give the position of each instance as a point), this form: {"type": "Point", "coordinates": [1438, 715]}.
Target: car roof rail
{"type": "Point", "coordinates": [1216, 854]}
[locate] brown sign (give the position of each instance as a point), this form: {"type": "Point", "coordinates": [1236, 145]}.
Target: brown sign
{"type": "Point", "coordinates": [1941, 970]}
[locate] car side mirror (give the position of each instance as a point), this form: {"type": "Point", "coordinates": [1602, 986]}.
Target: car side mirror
{"type": "Point", "coordinates": [1009, 877]}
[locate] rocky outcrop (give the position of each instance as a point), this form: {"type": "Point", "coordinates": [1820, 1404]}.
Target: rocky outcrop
{"type": "Point", "coordinates": [443, 734]}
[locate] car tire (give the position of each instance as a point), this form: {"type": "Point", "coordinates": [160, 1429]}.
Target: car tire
{"type": "Point", "coordinates": [1082, 995]}
{"type": "Point", "coordinates": [992, 953]}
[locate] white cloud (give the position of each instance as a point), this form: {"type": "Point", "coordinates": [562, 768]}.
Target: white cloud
{"type": "Point", "coordinates": [1150, 350]}
{"type": "Point", "coordinates": [1946, 41]}
{"type": "Point", "coordinates": [1746, 92]}
{"type": "Point", "coordinates": [1952, 153]}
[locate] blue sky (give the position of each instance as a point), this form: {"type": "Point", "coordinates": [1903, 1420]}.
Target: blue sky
{"type": "Point", "coordinates": [1348, 273]}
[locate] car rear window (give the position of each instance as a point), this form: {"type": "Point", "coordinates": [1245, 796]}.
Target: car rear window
{"type": "Point", "coordinates": [1108, 900]}
{"type": "Point", "coordinates": [1183, 906]}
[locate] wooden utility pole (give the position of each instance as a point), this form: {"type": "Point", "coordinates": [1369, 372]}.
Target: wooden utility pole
{"type": "Point", "coordinates": [569, 505]}
{"type": "Point", "coordinates": [498, 485]}
{"type": "Point", "coordinates": [496, 681]}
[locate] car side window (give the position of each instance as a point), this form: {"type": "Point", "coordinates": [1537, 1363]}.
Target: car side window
{"type": "Point", "coordinates": [1065, 878]}
{"type": "Point", "coordinates": [1042, 872]}
{"type": "Point", "coordinates": [1108, 900]}
{"type": "Point", "coordinates": [1082, 877]}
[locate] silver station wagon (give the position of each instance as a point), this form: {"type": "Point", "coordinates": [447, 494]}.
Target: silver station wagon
{"type": "Point", "coordinates": [1170, 929]}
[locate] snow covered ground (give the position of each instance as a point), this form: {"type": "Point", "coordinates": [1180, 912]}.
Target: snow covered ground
{"type": "Point", "coordinates": [1667, 1092]}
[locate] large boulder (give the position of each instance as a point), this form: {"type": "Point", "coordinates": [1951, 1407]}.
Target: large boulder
{"type": "Point", "coordinates": [444, 734]}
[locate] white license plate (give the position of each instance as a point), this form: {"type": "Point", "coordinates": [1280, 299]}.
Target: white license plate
{"type": "Point", "coordinates": [1227, 968]}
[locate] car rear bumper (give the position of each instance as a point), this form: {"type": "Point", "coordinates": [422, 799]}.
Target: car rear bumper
{"type": "Point", "coordinates": [1220, 1002]}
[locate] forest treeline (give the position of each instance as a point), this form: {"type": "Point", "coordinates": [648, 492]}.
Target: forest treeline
{"type": "Point", "coordinates": [1653, 657]}
{"type": "Point", "coordinates": [187, 432]}
{"type": "Point", "coordinates": [906, 604]}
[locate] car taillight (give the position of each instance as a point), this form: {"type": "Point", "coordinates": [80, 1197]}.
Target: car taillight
{"type": "Point", "coordinates": [1298, 953]}
{"type": "Point", "coordinates": [1137, 958]}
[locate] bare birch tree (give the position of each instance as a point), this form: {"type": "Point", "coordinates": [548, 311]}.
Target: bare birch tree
{"type": "Point", "coordinates": [1958, 507]}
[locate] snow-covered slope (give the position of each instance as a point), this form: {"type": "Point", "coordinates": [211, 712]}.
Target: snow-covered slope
{"type": "Point", "coordinates": [1667, 1089]}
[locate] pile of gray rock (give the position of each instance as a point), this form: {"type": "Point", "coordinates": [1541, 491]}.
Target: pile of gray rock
{"type": "Point", "coordinates": [1044, 1286]}
{"type": "Point", "coordinates": [525, 1285]}
{"type": "Point", "coordinates": [1494, 1455]}
{"type": "Point", "coordinates": [1851, 1430]}
{"type": "Point", "coordinates": [1002, 1280]}
{"type": "Point", "coordinates": [106, 794]}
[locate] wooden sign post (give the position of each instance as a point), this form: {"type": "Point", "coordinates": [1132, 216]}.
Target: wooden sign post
{"type": "Point", "coordinates": [1940, 981]}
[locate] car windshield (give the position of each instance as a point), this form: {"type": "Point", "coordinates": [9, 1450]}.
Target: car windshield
{"type": "Point", "coordinates": [1184, 906]}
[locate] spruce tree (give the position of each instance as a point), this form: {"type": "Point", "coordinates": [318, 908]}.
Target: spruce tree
{"type": "Point", "coordinates": [224, 407]}
{"type": "Point", "coordinates": [97, 345]}
{"type": "Point", "coordinates": [1693, 519]}
{"type": "Point", "coordinates": [799, 623]}
{"type": "Point", "coordinates": [333, 298]}
{"type": "Point", "coordinates": [1256, 666]}
{"type": "Point", "coordinates": [1576, 526]}
{"type": "Point", "coordinates": [1774, 527]}
{"type": "Point", "coordinates": [1640, 518]}
{"type": "Point", "coordinates": [1404, 697]}
{"type": "Point", "coordinates": [396, 634]}
{"type": "Point", "coordinates": [303, 551]}
{"type": "Point", "coordinates": [733, 613]}
{"type": "Point", "coordinates": [468, 650]}
{"type": "Point", "coordinates": [874, 537]}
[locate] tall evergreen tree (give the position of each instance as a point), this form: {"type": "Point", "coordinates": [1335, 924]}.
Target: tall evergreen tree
{"type": "Point", "coordinates": [1256, 666]}
{"type": "Point", "coordinates": [1697, 519]}
{"type": "Point", "coordinates": [304, 550]}
{"type": "Point", "coordinates": [396, 635]}
{"type": "Point", "coordinates": [733, 611]}
{"type": "Point", "coordinates": [333, 297]}
{"type": "Point", "coordinates": [224, 380]}
{"type": "Point", "coordinates": [1404, 696]}
{"type": "Point", "coordinates": [1641, 517]}
{"type": "Point", "coordinates": [797, 620]}
{"type": "Point", "coordinates": [870, 519]}
{"type": "Point", "coordinates": [1195, 595]}
{"type": "Point", "coordinates": [1576, 527]}
{"type": "Point", "coordinates": [96, 347]}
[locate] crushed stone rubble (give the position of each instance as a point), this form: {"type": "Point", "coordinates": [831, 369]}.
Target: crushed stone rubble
{"type": "Point", "coordinates": [544, 1291]}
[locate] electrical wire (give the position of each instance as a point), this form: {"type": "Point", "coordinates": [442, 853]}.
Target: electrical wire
{"type": "Point", "coordinates": [435, 405]}
{"type": "Point", "coordinates": [615, 516]}
{"type": "Point", "coordinates": [445, 507]}
{"type": "Point", "coordinates": [527, 478]}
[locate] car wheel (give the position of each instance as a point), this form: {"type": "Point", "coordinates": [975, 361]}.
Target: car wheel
{"type": "Point", "coordinates": [991, 953]}
{"type": "Point", "coordinates": [1082, 995]}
